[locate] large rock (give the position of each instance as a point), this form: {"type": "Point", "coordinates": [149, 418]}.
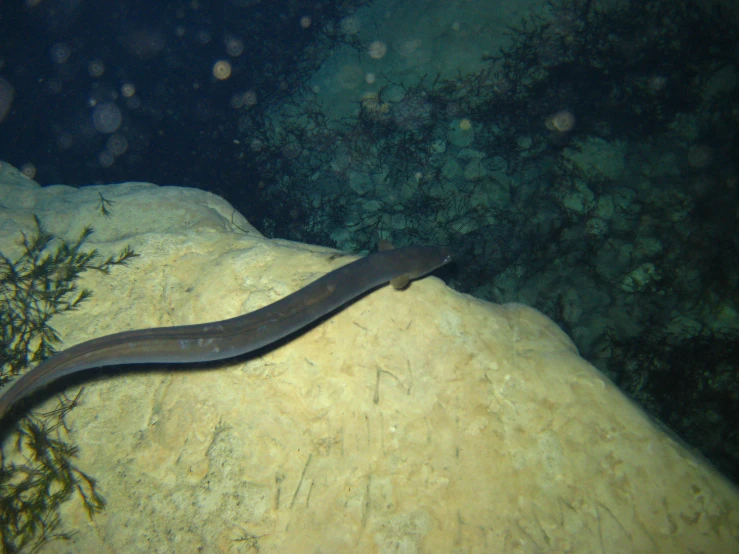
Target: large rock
{"type": "Point", "coordinates": [421, 420]}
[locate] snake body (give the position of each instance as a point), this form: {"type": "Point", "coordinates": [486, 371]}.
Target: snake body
{"type": "Point", "coordinates": [239, 335]}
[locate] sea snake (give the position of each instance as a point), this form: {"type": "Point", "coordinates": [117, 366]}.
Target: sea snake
{"type": "Point", "coordinates": [239, 335]}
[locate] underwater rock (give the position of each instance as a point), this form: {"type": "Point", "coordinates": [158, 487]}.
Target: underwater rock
{"type": "Point", "coordinates": [421, 420]}
{"type": "Point", "coordinates": [599, 158]}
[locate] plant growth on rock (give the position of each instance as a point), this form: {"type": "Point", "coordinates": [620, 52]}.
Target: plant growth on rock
{"type": "Point", "coordinates": [37, 473]}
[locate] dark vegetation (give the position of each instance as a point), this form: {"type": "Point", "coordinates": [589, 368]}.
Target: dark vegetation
{"type": "Point", "coordinates": [37, 473]}
{"type": "Point", "coordinates": [689, 381]}
{"type": "Point", "coordinates": [503, 200]}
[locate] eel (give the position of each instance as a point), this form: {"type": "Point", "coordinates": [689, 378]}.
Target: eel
{"type": "Point", "coordinates": [220, 340]}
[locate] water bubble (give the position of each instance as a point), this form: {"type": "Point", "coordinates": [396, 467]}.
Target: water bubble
{"type": "Point", "coordinates": [29, 170]}
{"type": "Point", "coordinates": [106, 159]}
{"type": "Point", "coordinates": [234, 46]}
{"type": "Point", "coordinates": [64, 140]}
{"type": "Point", "coordinates": [656, 83]}
{"type": "Point", "coordinates": [350, 25]}
{"type": "Point", "coordinates": [203, 37]}
{"type": "Point", "coordinates": [107, 118]}
{"type": "Point", "coordinates": [54, 86]}
{"type": "Point", "coordinates": [237, 101]}
{"type": "Point", "coordinates": [96, 68]}
{"type": "Point", "coordinates": [117, 144]}
{"type": "Point", "coordinates": [60, 52]}
{"type": "Point", "coordinates": [250, 98]}
{"type": "Point", "coordinates": [562, 121]}
{"type": "Point", "coordinates": [128, 90]}
{"type": "Point", "coordinates": [222, 70]}
{"type": "Point", "coordinates": [241, 99]}
{"type": "Point", "coordinates": [377, 50]}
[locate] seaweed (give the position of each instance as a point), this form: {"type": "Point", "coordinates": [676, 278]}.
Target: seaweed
{"type": "Point", "coordinates": [39, 475]}
{"type": "Point", "coordinates": [104, 205]}
{"type": "Point", "coordinates": [36, 287]}
{"type": "Point", "coordinates": [527, 219]}
{"type": "Point", "coordinates": [623, 72]}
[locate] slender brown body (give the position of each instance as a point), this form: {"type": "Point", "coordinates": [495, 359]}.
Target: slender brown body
{"type": "Point", "coordinates": [231, 337]}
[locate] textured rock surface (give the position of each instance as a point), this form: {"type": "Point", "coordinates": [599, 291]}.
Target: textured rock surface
{"type": "Point", "coordinates": [415, 421]}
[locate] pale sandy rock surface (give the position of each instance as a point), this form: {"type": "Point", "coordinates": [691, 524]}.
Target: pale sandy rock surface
{"type": "Point", "coordinates": [415, 421]}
